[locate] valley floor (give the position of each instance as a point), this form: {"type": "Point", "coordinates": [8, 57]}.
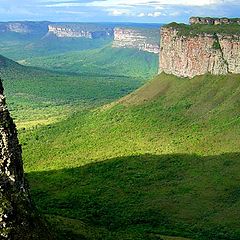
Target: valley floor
{"type": "Point", "coordinates": [163, 161]}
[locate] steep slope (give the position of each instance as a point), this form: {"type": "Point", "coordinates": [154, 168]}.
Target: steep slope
{"type": "Point", "coordinates": [143, 39]}
{"type": "Point", "coordinates": [188, 51]}
{"type": "Point", "coordinates": [162, 161]}
{"type": "Point", "coordinates": [18, 217]}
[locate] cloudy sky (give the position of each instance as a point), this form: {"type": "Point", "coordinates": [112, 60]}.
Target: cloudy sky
{"type": "Point", "coordinates": [159, 11]}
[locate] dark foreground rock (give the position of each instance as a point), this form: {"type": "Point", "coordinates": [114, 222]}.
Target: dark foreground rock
{"type": "Point", "coordinates": [18, 217]}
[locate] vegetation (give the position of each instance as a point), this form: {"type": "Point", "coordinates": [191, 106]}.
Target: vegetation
{"type": "Point", "coordinates": [161, 161]}
{"type": "Point", "coordinates": [105, 61]}
{"type": "Point", "coordinates": [37, 96]}
{"type": "Point", "coordinates": [19, 47]}
{"type": "Point", "coordinates": [196, 29]}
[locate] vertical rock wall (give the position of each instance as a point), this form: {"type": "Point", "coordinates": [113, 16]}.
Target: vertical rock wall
{"type": "Point", "coordinates": [142, 39]}
{"type": "Point", "coordinates": [18, 219]}
{"type": "Point", "coordinates": [188, 56]}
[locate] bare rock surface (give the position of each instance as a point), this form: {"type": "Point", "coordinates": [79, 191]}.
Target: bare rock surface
{"type": "Point", "coordinates": [18, 217]}
{"type": "Point", "coordinates": [142, 39]}
{"type": "Point", "coordinates": [188, 56]}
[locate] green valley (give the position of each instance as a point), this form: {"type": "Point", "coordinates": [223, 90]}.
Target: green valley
{"type": "Point", "coordinates": [113, 150]}
{"type": "Point", "coordinates": [161, 161]}
{"type": "Point", "coordinates": [37, 96]}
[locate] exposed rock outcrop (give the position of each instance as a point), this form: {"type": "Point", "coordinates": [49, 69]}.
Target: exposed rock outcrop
{"type": "Point", "coordinates": [139, 38]}
{"type": "Point", "coordinates": [25, 27]}
{"type": "Point", "coordinates": [198, 54]}
{"type": "Point", "coordinates": [213, 21]}
{"type": "Point", "coordinates": [63, 32]}
{"type": "Point", "coordinates": [18, 218]}
{"type": "Point", "coordinates": [79, 31]}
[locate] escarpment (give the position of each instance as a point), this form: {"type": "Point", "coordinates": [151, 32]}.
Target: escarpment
{"type": "Point", "coordinates": [18, 217]}
{"type": "Point", "coordinates": [213, 21]}
{"type": "Point", "coordinates": [80, 31]}
{"type": "Point", "coordinates": [142, 39]}
{"type": "Point", "coordinates": [187, 51]}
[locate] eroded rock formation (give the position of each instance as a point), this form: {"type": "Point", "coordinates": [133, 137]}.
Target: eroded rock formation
{"type": "Point", "coordinates": [18, 218]}
{"type": "Point", "coordinates": [142, 39]}
{"type": "Point", "coordinates": [63, 32]}
{"type": "Point", "coordinates": [24, 27]}
{"type": "Point", "coordinates": [79, 31]}
{"type": "Point", "coordinates": [213, 21]}
{"type": "Point", "coordinates": [191, 55]}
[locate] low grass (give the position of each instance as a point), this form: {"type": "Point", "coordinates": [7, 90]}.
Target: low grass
{"type": "Point", "coordinates": [163, 161]}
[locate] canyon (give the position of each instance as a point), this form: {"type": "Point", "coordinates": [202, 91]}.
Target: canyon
{"type": "Point", "coordinates": [143, 37]}
{"type": "Point", "coordinates": [187, 53]}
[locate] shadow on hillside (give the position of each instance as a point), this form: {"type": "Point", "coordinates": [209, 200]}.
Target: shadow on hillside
{"type": "Point", "coordinates": [139, 197]}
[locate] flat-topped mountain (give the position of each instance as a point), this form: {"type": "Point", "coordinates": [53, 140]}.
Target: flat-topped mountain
{"type": "Point", "coordinates": [76, 30]}
{"type": "Point", "coordinates": [24, 27]}
{"type": "Point", "coordinates": [213, 21]}
{"type": "Point", "coordinates": [197, 49]}
{"type": "Point", "coordinates": [144, 39]}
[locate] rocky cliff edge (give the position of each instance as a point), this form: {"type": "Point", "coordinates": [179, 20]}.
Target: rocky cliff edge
{"type": "Point", "coordinates": [188, 51]}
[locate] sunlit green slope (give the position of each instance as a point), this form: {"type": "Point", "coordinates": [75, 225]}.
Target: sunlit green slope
{"type": "Point", "coordinates": [101, 61]}
{"type": "Point", "coordinates": [37, 95]}
{"type": "Point", "coordinates": [162, 161]}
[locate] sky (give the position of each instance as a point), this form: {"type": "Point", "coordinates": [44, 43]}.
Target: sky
{"type": "Point", "coordinates": [146, 11]}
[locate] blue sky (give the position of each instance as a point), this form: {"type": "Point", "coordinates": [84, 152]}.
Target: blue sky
{"type": "Point", "coordinates": [159, 11]}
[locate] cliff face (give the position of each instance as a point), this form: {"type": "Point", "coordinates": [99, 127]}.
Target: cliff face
{"type": "Point", "coordinates": [142, 39]}
{"type": "Point", "coordinates": [79, 31]}
{"type": "Point", "coordinates": [63, 32]}
{"type": "Point", "coordinates": [18, 27]}
{"type": "Point", "coordinates": [18, 219]}
{"type": "Point", "coordinates": [188, 56]}
{"type": "Point", "coordinates": [213, 21]}
{"type": "Point", "coordinates": [24, 27]}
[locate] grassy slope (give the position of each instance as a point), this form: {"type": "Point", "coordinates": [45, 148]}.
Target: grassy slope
{"type": "Point", "coordinates": [21, 46]}
{"type": "Point", "coordinates": [39, 96]}
{"type": "Point", "coordinates": [164, 160]}
{"type": "Point", "coordinates": [102, 61]}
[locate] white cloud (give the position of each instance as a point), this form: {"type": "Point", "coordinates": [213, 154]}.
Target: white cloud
{"type": "Point", "coordinates": [66, 4]}
{"type": "Point", "coordinates": [141, 15]}
{"type": "Point", "coordinates": [155, 14]}
{"type": "Point", "coordinates": [175, 14]}
{"type": "Point", "coordinates": [151, 14]}
{"type": "Point", "coordinates": [157, 3]}
{"type": "Point", "coordinates": [118, 12]}
{"type": "Point", "coordinates": [72, 12]}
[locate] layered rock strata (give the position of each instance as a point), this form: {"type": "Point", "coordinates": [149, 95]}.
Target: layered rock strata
{"type": "Point", "coordinates": [18, 218]}
{"type": "Point", "coordinates": [213, 21]}
{"type": "Point", "coordinates": [79, 31]}
{"type": "Point", "coordinates": [188, 56]}
{"type": "Point", "coordinates": [142, 39]}
{"type": "Point", "coordinates": [63, 32]}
